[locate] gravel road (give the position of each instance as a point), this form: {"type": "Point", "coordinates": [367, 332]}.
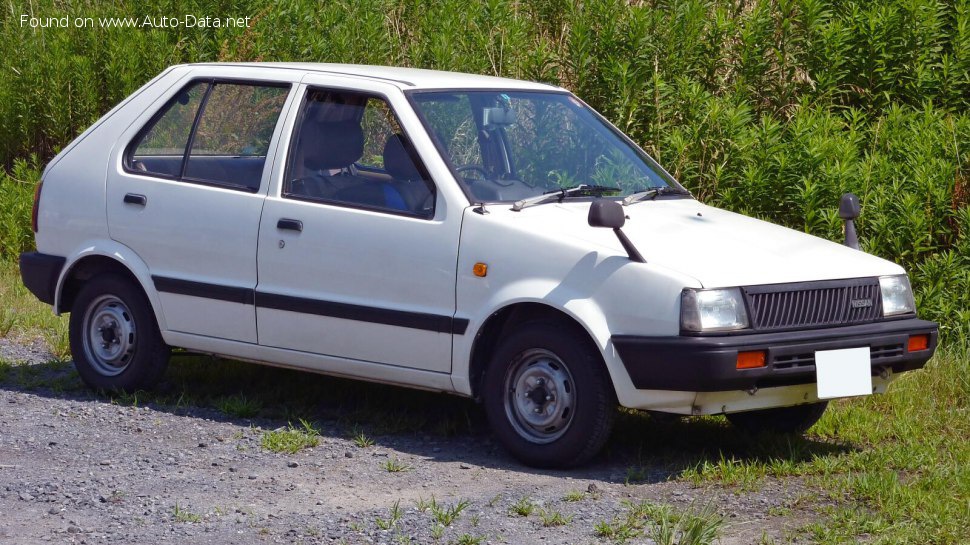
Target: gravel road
{"type": "Point", "coordinates": [76, 467]}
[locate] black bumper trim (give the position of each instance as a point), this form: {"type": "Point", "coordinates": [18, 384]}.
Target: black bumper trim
{"type": "Point", "coordinates": [39, 272]}
{"type": "Point", "coordinates": [708, 364]}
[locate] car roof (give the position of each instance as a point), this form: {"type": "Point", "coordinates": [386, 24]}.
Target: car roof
{"type": "Point", "coordinates": [405, 78]}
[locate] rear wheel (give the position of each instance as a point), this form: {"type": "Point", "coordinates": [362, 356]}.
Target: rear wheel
{"type": "Point", "coordinates": [796, 419]}
{"type": "Point", "coordinates": [548, 397]}
{"type": "Point", "coordinates": [114, 337]}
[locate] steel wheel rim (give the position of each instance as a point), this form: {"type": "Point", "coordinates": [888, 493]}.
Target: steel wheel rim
{"type": "Point", "coordinates": [109, 335]}
{"type": "Point", "coordinates": [540, 396]}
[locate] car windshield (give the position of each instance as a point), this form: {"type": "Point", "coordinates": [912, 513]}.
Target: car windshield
{"type": "Point", "coordinates": [506, 146]}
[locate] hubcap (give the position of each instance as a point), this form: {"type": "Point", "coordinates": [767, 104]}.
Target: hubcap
{"type": "Point", "coordinates": [109, 335]}
{"type": "Point", "coordinates": [540, 396]}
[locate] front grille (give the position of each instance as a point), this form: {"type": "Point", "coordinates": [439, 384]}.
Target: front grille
{"type": "Point", "coordinates": [814, 304]}
{"type": "Point", "coordinates": [808, 359]}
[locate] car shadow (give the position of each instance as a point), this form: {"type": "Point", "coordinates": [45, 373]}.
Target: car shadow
{"type": "Point", "coordinates": [643, 448]}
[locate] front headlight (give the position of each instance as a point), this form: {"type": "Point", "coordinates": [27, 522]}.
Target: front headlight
{"type": "Point", "coordinates": [712, 310]}
{"type": "Point", "coordinates": [897, 295]}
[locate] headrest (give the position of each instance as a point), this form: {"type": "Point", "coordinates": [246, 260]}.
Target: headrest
{"type": "Point", "coordinates": [397, 160]}
{"type": "Point", "coordinates": [331, 145]}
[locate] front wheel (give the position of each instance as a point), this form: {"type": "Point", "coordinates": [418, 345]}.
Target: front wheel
{"type": "Point", "coordinates": [781, 420]}
{"type": "Point", "coordinates": [548, 397]}
{"type": "Point", "coordinates": [114, 337]}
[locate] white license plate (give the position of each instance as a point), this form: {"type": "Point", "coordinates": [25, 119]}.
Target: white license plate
{"type": "Point", "coordinates": [843, 373]}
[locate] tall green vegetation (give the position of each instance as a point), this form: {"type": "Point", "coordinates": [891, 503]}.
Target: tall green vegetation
{"type": "Point", "coordinates": [771, 108]}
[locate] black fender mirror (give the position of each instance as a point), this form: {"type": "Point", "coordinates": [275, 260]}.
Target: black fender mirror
{"type": "Point", "coordinates": [608, 213]}
{"type": "Point", "coordinates": [849, 210]}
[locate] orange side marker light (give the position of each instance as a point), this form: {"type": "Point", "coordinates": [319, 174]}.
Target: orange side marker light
{"type": "Point", "coordinates": [752, 360]}
{"type": "Point", "coordinates": [918, 342]}
{"type": "Point", "coordinates": [480, 270]}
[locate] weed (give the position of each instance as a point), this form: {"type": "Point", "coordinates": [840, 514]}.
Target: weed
{"type": "Point", "coordinates": [362, 440]}
{"type": "Point", "coordinates": [390, 522]}
{"type": "Point", "coordinates": [554, 518]}
{"type": "Point", "coordinates": [468, 539]}
{"type": "Point", "coordinates": [617, 530]}
{"type": "Point", "coordinates": [423, 505]}
{"type": "Point", "coordinates": [183, 515]}
{"type": "Point", "coordinates": [574, 496]}
{"type": "Point", "coordinates": [239, 406]}
{"type": "Point", "coordinates": [523, 507]}
{"type": "Point", "coordinates": [437, 530]}
{"type": "Point", "coordinates": [291, 440]}
{"type": "Point", "coordinates": [636, 474]}
{"type": "Point", "coordinates": [393, 465]}
{"type": "Point", "coordinates": [445, 515]}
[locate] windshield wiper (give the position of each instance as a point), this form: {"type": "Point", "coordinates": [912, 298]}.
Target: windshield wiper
{"type": "Point", "coordinates": [653, 193]}
{"type": "Point", "coordinates": [560, 194]}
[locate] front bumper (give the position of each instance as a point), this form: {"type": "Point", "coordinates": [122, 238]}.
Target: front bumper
{"type": "Point", "coordinates": [709, 364]}
{"type": "Point", "coordinates": [39, 272]}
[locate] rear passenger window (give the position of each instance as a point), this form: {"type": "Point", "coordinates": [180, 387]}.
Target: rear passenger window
{"type": "Point", "coordinates": [349, 149]}
{"type": "Point", "coordinates": [234, 123]}
{"type": "Point", "coordinates": [161, 145]}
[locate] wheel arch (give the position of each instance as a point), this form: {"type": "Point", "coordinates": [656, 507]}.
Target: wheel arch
{"type": "Point", "coordinates": [102, 258]}
{"type": "Point", "coordinates": [500, 321]}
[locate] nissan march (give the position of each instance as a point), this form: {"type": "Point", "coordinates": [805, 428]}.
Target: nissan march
{"type": "Point", "coordinates": [480, 236]}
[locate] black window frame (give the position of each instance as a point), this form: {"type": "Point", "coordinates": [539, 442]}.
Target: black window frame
{"type": "Point", "coordinates": [408, 144]}
{"type": "Point", "coordinates": [128, 157]}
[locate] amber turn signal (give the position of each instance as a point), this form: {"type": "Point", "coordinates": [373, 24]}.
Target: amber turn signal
{"type": "Point", "coordinates": [752, 360]}
{"type": "Point", "coordinates": [918, 342]}
{"type": "Point", "coordinates": [480, 270]}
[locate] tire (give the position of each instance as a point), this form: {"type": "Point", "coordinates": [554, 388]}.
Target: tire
{"type": "Point", "coordinates": [783, 420]}
{"type": "Point", "coordinates": [556, 369]}
{"type": "Point", "coordinates": [114, 336]}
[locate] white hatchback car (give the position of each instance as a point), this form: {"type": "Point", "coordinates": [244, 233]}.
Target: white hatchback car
{"type": "Point", "coordinates": [474, 235]}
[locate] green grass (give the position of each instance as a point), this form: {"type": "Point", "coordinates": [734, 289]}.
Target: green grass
{"type": "Point", "coordinates": [445, 515]}
{"type": "Point", "coordinates": [662, 524]}
{"type": "Point", "coordinates": [393, 465]}
{"type": "Point", "coordinates": [897, 466]}
{"type": "Point", "coordinates": [239, 406]}
{"type": "Point", "coordinates": [291, 439]}
{"type": "Point", "coordinates": [180, 514]}
{"type": "Point", "coordinates": [554, 518]}
{"type": "Point", "coordinates": [393, 518]}
{"type": "Point", "coordinates": [523, 507]}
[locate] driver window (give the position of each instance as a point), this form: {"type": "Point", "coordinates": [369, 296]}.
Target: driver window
{"type": "Point", "coordinates": [349, 149]}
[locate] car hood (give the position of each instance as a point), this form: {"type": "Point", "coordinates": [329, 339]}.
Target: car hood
{"type": "Point", "coordinates": [716, 247]}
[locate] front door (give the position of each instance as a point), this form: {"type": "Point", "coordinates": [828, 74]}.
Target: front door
{"type": "Point", "coordinates": [356, 260]}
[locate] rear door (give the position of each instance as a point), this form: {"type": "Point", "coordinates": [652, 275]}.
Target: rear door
{"type": "Point", "coordinates": [186, 195]}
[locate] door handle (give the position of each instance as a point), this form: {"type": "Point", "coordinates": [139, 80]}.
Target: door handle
{"type": "Point", "coordinates": [133, 198]}
{"type": "Point", "coordinates": [290, 225]}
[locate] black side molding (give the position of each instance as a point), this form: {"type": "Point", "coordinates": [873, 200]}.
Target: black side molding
{"type": "Point", "coordinates": [39, 273]}
{"type": "Point", "coordinates": [374, 315]}
{"type": "Point", "coordinates": [218, 292]}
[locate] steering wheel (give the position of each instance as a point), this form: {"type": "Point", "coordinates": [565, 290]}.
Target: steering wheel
{"type": "Point", "coordinates": [476, 168]}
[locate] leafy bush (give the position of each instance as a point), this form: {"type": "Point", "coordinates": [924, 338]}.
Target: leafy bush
{"type": "Point", "coordinates": [769, 108]}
